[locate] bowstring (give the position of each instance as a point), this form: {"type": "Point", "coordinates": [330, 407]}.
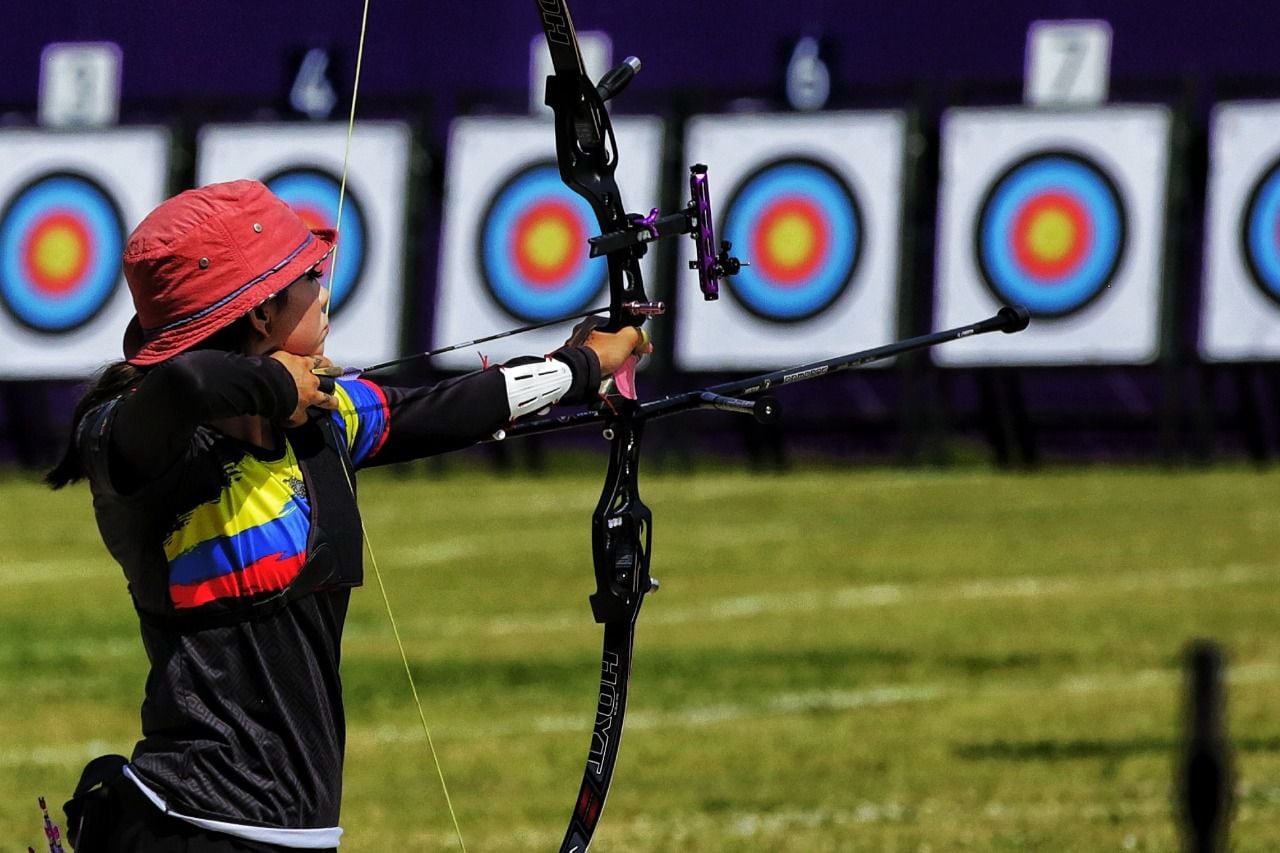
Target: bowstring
{"type": "Point", "coordinates": [368, 545]}
{"type": "Point", "coordinates": [346, 154]}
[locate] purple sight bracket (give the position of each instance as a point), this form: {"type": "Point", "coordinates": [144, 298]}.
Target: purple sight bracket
{"type": "Point", "coordinates": [648, 223]}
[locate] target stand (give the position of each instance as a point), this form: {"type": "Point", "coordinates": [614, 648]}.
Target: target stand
{"type": "Point", "coordinates": [1066, 213]}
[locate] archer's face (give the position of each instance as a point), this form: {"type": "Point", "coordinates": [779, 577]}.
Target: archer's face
{"type": "Point", "coordinates": [300, 325]}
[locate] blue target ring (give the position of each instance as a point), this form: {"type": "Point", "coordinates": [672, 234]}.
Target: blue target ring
{"type": "Point", "coordinates": [313, 195]}
{"type": "Point", "coordinates": [1260, 232]}
{"type": "Point", "coordinates": [1051, 233]}
{"type": "Point", "coordinates": [532, 247]}
{"type": "Point", "coordinates": [799, 224]}
{"type": "Point", "coordinates": [61, 238]}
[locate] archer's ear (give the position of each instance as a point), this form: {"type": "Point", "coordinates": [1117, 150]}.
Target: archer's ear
{"type": "Point", "coordinates": [260, 320]}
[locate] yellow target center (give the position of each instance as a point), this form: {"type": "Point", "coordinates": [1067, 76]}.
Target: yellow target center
{"type": "Point", "coordinates": [59, 252]}
{"type": "Point", "coordinates": [790, 241]}
{"type": "Point", "coordinates": [1052, 235]}
{"type": "Point", "coordinates": [547, 243]}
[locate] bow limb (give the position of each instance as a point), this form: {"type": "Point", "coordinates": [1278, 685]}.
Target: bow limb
{"type": "Point", "coordinates": [621, 536]}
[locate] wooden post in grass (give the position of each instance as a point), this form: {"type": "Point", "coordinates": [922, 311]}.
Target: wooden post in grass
{"type": "Point", "coordinates": [1205, 774]}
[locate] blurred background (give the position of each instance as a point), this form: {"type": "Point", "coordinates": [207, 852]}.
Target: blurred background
{"type": "Point", "coordinates": [965, 618]}
{"type": "Point", "coordinates": [886, 172]}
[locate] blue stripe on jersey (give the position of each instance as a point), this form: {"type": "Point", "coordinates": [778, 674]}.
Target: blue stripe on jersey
{"type": "Point", "coordinates": [363, 416]}
{"type": "Point", "coordinates": [285, 535]}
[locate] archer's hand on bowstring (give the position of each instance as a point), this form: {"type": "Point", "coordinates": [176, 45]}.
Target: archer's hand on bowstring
{"type": "Point", "coordinates": [611, 348]}
{"type": "Point", "coordinates": [310, 394]}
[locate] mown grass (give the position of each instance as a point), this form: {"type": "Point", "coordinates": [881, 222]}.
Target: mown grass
{"type": "Point", "coordinates": [838, 659]}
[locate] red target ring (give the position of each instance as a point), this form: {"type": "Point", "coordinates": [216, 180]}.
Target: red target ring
{"type": "Point", "coordinates": [791, 241]}
{"type": "Point", "coordinates": [546, 245]}
{"type": "Point", "coordinates": [1051, 234]}
{"type": "Point", "coordinates": [57, 253]}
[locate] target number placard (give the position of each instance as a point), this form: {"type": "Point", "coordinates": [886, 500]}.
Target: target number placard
{"type": "Point", "coordinates": [813, 204]}
{"type": "Point", "coordinates": [67, 204]}
{"type": "Point", "coordinates": [1060, 212]}
{"type": "Point", "coordinates": [302, 164]}
{"type": "Point", "coordinates": [514, 244]}
{"type": "Point", "coordinates": [1240, 318]}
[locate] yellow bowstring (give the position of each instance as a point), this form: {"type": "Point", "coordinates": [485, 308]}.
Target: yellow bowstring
{"type": "Point", "coordinates": [373, 560]}
{"type": "Point", "coordinates": [346, 153]}
{"type": "Point", "coordinates": [413, 687]}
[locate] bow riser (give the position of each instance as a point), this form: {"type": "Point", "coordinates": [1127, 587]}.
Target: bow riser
{"type": "Point", "coordinates": [586, 151]}
{"type": "Point", "coordinates": [621, 531]}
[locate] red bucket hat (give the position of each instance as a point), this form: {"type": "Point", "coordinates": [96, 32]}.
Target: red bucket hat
{"type": "Point", "coordinates": [208, 256]}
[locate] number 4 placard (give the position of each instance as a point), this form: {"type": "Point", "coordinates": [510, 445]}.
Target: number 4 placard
{"type": "Point", "coordinates": [1068, 63]}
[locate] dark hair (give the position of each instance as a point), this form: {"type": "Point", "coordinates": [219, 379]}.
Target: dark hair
{"type": "Point", "coordinates": [118, 378]}
{"type": "Point", "coordinates": [113, 380]}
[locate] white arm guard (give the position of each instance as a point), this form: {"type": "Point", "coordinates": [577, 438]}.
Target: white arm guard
{"type": "Point", "coordinates": [535, 386]}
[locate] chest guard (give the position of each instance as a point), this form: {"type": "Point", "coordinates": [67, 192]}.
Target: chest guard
{"type": "Point", "coordinates": [334, 543]}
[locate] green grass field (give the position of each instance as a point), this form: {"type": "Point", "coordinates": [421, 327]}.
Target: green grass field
{"type": "Point", "coordinates": [838, 659]}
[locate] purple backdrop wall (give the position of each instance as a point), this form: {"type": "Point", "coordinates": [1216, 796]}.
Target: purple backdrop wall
{"type": "Point", "coordinates": [416, 48]}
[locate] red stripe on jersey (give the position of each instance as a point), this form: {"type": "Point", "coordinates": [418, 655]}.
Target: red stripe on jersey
{"type": "Point", "coordinates": [275, 571]}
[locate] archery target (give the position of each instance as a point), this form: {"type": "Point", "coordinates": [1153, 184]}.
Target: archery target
{"type": "Point", "coordinates": [1051, 233]}
{"type": "Point", "coordinates": [530, 243]}
{"type": "Point", "coordinates": [1240, 319]}
{"type": "Point", "coordinates": [313, 195]}
{"type": "Point", "coordinates": [798, 221]}
{"type": "Point", "coordinates": [514, 247]}
{"type": "Point", "coordinates": [61, 237]}
{"type": "Point", "coordinates": [67, 202]}
{"type": "Point", "coordinates": [1260, 233]}
{"type": "Point", "coordinates": [1063, 213]}
{"type": "Point", "coordinates": [303, 165]}
{"type": "Point", "coordinates": [814, 204]}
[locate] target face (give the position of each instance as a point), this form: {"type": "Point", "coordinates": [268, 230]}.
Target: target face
{"type": "Point", "coordinates": [533, 250]}
{"type": "Point", "coordinates": [1051, 233]}
{"type": "Point", "coordinates": [1260, 232]}
{"type": "Point", "coordinates": [313, 195]}
{"type": "Point", "coordinates": [61, 238]}
{"type": "Point", "coordinates": [797, 223]}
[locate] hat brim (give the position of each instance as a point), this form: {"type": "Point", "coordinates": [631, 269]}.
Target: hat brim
{"type": "Point", "coordinates": [142, 349]}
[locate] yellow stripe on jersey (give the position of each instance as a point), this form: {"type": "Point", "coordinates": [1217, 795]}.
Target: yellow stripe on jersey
{"type": "Point", "coordinates": [349, 413]}
{"type": "Point", "coordinates": [258, 492]}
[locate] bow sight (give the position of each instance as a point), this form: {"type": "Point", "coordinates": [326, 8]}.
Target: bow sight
{"type": "Point", "coordinates": [695, 220]}
{"type": "Point", "coordinates": [587, 154]}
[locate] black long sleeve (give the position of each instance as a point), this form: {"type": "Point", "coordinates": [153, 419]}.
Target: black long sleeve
{"type": "Point", "coordinates": [432, 419]}
{"type": "Point", "coordinates": [459, 412]}
{"type": "Point", "coordinates": [154, 424]}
